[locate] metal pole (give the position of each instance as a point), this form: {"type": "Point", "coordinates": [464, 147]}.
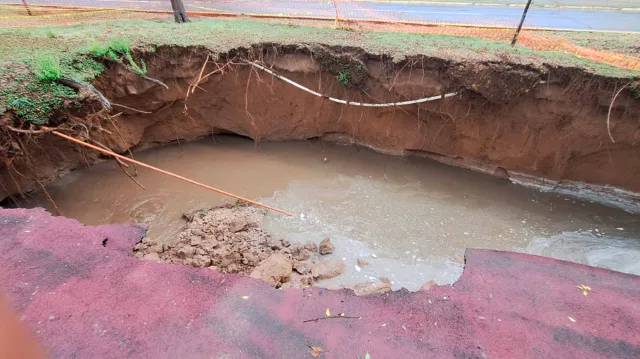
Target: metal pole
{"type": "Point", "coordinates": [24, 2]}
{"type": "Point", "coordinates": [524, 14]}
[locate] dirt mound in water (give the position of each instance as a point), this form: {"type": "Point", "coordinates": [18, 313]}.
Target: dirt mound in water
{"type": "Point", "coordinates": [229, 239]}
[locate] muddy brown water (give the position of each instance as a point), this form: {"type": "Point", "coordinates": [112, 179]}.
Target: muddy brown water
{"type": "Point", "coordinates": [410, 218]}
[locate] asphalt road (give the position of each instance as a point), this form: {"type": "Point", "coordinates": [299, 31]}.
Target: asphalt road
{"type": "Point", "coordinates": [560, 18]}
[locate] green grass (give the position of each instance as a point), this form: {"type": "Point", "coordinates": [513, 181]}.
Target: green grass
{"type": "Point", "coordinates": [30, 57]}
{"type": "Point", "coordinates": [47, 68]}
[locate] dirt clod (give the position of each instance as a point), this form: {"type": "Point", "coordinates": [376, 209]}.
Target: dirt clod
{"type": "Point", "coordinates": [326, 247]}
{"type": "Point", "coordinates": [327, 269]}
{"type": "Point", "coordinates": [428, 285]}
{"type": "Point", "coordinates": [371, 288]}
{"type": "Point", "coordinates": [275, 270]}
{"type": "Point", "coordinates": [362, 262]}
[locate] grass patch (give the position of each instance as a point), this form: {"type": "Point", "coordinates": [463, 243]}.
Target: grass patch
{"type": "Point", "coordinates": [47, 68]}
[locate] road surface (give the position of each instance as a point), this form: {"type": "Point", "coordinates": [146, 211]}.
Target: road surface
{"type": "Point", "coordinates": [559, 18]}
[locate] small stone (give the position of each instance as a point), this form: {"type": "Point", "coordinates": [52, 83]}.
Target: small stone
{"type": "Point", "coordinates": [362, 262]}
{"type": "Point", "coordinates": [152, 257]}
{"type": "Point", "coordinates": [195, 240]}
{"type": "Point", "coordinates": [186, 251]}
{"type": "Point", "coordinates": [385, 280]}
{"type": "Point", "coordinates": [155, 248]}
{"type": "Point", "coordinates": [370, 288]}
{"type": "Point", "coordinates": [286, 243]}
{"type": "Point", "coordinates": [52, 317]}
{"type": "Point", "coordinates": [428, 285]}
{"type": "Point", "coordinates": [326, 247]}
{"type": "Point", "coordinates": [302, 267]}
{"type": "Point", "coordinates": [458, 258]}
{"type": "Point", "coordinates": [238, 225]}
{"type": "Point", "coordinates": [274, 270]}
{"type": "Point", "coordinates": [327, 269]}
{"type": "Point", "coordinates": [201, 261]}
{"type": "Point", "coordinates": [302, 255]}
{"type": "Point", "coordinates": [301, 281]}
{"type": "Point", "coordinates": [250, 257]}
{"type": "Point", "coordinates": [311, 246]}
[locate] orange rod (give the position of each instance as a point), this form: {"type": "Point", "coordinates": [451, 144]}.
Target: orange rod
{"type": "Point", "coordinates": [106, 152]}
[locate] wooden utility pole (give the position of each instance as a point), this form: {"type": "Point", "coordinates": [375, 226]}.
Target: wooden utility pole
{"type": "Point", "coordinates": [179, 13]}
{"type": "Point", "coordinates": [24, 2]}
{"type": "Point", "coordinates": [524, 14]}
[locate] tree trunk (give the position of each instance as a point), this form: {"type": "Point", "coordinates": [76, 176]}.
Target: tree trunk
{"type": "Point", "coordinates": [179, 13]}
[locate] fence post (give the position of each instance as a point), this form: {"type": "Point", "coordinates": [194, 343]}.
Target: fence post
{"type": "Point", "coordinates": [24, 2]}
{"type": "Point", "coordinates": [335, 6]}
{"type": "Point", "coordinates": [524, 14]}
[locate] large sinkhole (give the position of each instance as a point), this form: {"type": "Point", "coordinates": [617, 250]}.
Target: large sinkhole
{"type": "Point", "coordinates": [243, 122]}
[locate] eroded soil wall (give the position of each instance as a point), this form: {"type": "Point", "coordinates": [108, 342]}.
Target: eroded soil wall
{"type": "Point", "coordinates": [505, 119]}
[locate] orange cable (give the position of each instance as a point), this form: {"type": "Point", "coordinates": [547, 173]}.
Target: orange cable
{"type": "Point", "coordinates": [106, 152]}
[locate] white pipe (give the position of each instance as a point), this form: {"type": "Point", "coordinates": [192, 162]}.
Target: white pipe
{"type": "Point", "coordinates": [353, 103]}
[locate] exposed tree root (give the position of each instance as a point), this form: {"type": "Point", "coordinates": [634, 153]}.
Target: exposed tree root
{"type": "Point", "coordinates": [79, 86]}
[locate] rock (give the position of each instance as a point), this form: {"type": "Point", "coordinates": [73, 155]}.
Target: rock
{"type": "Point", "coordinates": [238, 225]}
{"type": "Point", "coordinates": [201, 261]}
{"type": "Point", "coordinates": [428, 285]}
{"type": "Point", "coordinates": [155, 248]}
{"type": "Point", "coordinates": [250, 257]}
{"type": "Point", "coordinates": [285, 243]}
{"type": "Point", "coordinates": [152, 257]}
{"type": "Point", "coordinates": [195, 240]}
{"type": "Point", "coordinates": [197, 232]}
{"type": "Point", "coordinates": [311, 246]}
{"type": "Point", "coordinates": [370, 288]}
{"type": "Point", "coordinates": [274, 270]}
{"type": "Point", "coordinates": [385, 280]}
{"type": "Point", "coordinates": [362, 262]}
{"type": "Point", "coordinates": [301, 281]}
{"type": "Point", "coordinates": [458, 258]}
{"type": "Point", "coordinates": [301, 254]}
{"type": "Point", "coordinates": [302, 267]}
{"type": "Point", "coordinates": [186, 251]}
{"type": "Point", "coordinates": [327, 269]}
{"type": "Point", "coordinates": [326, 247]}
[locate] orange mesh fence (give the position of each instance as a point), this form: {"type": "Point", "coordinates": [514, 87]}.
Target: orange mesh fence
{"type": "Point", "coordinates": [375, 15]}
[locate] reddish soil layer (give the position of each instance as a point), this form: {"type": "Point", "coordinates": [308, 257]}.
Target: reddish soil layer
{"type": "Point", "coordinates": [84, 295]}
{"type": "Point", "coordinates": [504, 120]}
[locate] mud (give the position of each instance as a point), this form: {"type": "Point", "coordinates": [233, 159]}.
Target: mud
{"type": "Point", "coordinates": [229, 239]}
{"type": "Point", "coordinates": [504, 121]}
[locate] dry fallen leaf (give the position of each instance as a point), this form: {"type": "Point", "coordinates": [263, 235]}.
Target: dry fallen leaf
{"type": "Point", "coordinates": [585, 289]}
{"type": "Point", "coordinates": [327, 313]}
{"type": "Point", "coordinates": [342, 314]}
{"type": "Point", "coordinates": [245, 297]}
{"type": "Point", "coordinates": [316, 351]}
{"type": "Point", "coordinates": [572, 320]}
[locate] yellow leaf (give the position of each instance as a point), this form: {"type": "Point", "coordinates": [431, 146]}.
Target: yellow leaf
{"type": "Point", "coordinates": [342, 314]}
{"type": "Point", "coordinates": [327, 313]}
{"type": "Point", "coordinates": [584, 292]}
{"type": "Point", "coordinates": [572, 320]}
{"type": "Point", "coordinates": [245, 297]}
{"type": "Point", "coordinates": [316, 351]}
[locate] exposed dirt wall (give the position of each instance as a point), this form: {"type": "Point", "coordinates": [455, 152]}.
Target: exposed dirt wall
{"type": "Point", "coordinates": [503, 121]}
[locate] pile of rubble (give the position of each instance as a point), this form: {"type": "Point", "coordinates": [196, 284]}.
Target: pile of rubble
{"type": "Point", "coordinates": [229, 239]}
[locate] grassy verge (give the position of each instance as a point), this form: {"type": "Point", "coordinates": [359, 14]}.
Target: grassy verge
{"type": "Point", "coordinates": [32, 58]}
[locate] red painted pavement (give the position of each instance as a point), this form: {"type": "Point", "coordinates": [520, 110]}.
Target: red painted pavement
{"type": "Point", "coordinates": [83, 300]}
